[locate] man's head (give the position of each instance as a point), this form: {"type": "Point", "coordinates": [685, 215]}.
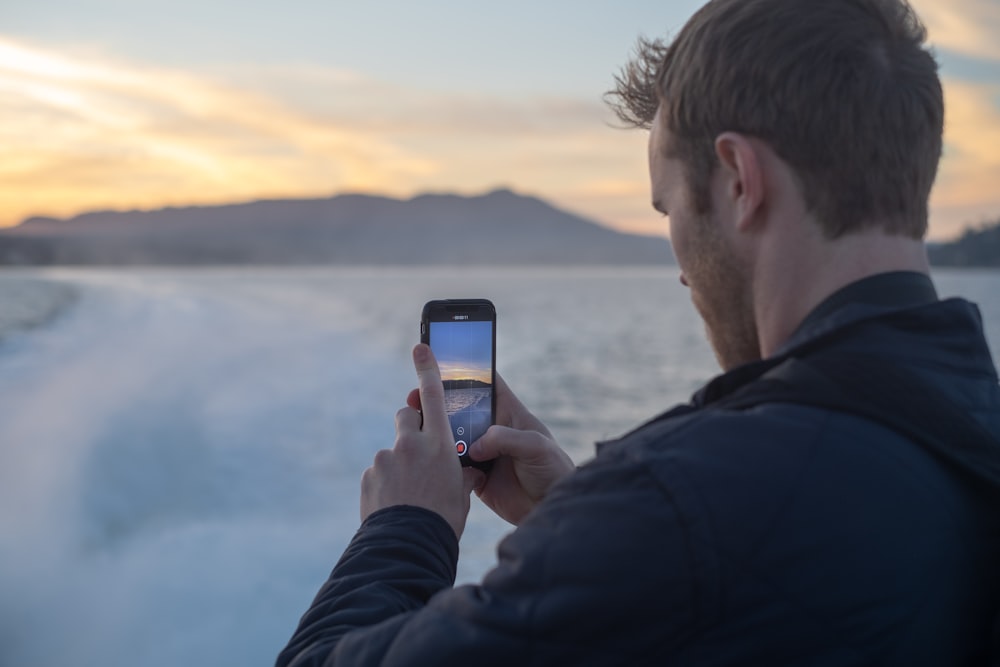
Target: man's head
{"type": "Point", "coordinates": [835, 101]}
{"type": "Point", "coordinates": [843, 90]}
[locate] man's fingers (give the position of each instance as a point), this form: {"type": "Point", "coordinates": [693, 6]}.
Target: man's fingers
{"type": "Point", "coordinates": [473, 479]}
{"type": "Point", "coordinates": [431, 390]}
{"type": "Point", "coordinates": [511, 412]}
{"type": "Point", "coordinates": [504, 441]}
{"type": "Point", "coordinates": [407, 419]}
{"type": "Point", "coordinates": [507, 403]}
{"type": "Point", "coordinates": [413, 399]}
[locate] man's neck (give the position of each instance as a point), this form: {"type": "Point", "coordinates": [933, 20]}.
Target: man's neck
{"type": "Point", "coordinates": [794, 275]}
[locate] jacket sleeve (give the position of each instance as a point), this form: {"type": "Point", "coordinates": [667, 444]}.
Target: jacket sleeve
{"type": "Point", "coordinates": [397, 560]}
{"type": "Point", "coordinates": [601, 572]}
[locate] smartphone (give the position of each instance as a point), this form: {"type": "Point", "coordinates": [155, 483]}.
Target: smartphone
{"type": "Point", "coordinates": [462, 334]}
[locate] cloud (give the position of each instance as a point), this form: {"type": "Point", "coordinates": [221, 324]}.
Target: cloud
{"type": "Point", "coordinates": [88, 133]}
{"type": "Point", "coordinates": [969, 27]}
{"type": "Point", "coordinates": [81, 132]}
{"type": "Point", "coordinates": [408, 110]}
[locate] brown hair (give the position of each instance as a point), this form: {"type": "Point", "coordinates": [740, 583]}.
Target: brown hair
{"type": "Point", "coordinates": [843, 90]}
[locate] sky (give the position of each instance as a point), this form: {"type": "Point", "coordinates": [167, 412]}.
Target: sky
{"type": "Point", "coordinates": [464, 350]}
{"type": "Point", "coordinates": [121, 104]}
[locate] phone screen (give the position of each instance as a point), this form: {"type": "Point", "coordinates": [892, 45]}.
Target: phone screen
{"type": "Point", "coordinates": [463, 337]}
{"type": "Point", "coordinates": [464, 351]}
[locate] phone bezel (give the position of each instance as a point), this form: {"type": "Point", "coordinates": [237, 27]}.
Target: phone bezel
{"type": "Point", "coordinates": [475, 310]}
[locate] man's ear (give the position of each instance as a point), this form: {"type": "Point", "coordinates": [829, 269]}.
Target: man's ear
{"type": "Point", "coordinates": [743, 176]}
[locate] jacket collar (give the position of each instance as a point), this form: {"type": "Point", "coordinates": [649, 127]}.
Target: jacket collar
{"type": "Point", "coordinates": [857, 302]}
{"type": "Point", "coordinates": [860, 300]}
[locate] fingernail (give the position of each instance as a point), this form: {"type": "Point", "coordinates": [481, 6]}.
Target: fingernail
{"type": "Point", "coordinates": [421, 353]}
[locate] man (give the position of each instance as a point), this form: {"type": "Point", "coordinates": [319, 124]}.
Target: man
{"type": "Point", "coordinates": [830, 499]}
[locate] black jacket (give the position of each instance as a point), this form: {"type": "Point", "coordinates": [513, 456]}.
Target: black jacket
{"type": "Point", "coordinates": [753, 532]}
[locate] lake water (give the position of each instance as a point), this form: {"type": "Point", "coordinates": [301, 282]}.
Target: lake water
{"type": "Point", "coordinates": [180, 450]}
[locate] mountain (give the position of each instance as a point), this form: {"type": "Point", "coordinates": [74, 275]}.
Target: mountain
{"type": "Point", "coordinates": [500, 227]}
{"type": "Point", "coordinates": [976, 247]}
{"type": "Point", "coordinates": [466, 384]}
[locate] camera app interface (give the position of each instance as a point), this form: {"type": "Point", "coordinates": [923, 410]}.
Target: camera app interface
{"type": "Point", "coordinates": [464, 351]}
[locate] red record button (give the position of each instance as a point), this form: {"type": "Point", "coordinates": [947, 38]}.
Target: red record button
{"type": "Point", "coordinates": [461, 447]}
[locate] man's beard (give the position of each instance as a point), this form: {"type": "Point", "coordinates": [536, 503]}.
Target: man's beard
{"type": "Point", "coordinates": [721, 292]}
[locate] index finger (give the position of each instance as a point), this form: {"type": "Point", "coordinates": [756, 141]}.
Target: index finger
{"type": "Point", "coordinates": [431, 390]}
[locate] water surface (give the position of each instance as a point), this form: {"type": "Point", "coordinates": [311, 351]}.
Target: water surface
{"type": "Point", "coordinates": [180, 450]}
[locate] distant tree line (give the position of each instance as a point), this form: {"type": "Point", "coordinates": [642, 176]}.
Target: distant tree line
{"type": "Point", "coordinates": [976, 247]}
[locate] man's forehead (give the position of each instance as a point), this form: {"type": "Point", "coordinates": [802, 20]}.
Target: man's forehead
{"type": "Point", "coordinates": [660, 139]}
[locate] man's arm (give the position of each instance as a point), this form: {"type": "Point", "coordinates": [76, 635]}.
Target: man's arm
{"type": "Point", "coordinates": [398, 559]}
{"type": "Point", "coordinates": [601, 572]}
{"type": "Point", "coordinates": [598, 572]}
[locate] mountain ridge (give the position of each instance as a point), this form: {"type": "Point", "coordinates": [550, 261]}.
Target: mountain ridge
{"type": "Point", "coordinates": [497, 227]}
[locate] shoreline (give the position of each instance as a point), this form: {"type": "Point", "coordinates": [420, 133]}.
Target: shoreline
{"type": "Point", "coordinates": [30, 303]}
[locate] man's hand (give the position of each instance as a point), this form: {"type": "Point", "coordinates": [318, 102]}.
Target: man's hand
{"type": "Point", "coordinates": [528, 460]}
{"type": "Point", "coordinates": [422, 469]}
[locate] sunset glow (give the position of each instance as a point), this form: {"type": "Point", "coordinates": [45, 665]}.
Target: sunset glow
{"type": "Point", "coordinates": [458, 372]}
{"type": "Point", "coordinates": [95, 125]}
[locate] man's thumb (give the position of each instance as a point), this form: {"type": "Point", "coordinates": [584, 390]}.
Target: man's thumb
{"type": "Point", "coordinates": [505, 441]}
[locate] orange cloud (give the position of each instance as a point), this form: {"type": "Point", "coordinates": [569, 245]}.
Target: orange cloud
{"type": "Point", "coordinates": [80, 133]}
{"type": "Point", "coordinates": [969, 27]}
{"type": "Point", "coordinates": [965, 191]}
{"type": "Point", "coordinates": [85, 134]}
